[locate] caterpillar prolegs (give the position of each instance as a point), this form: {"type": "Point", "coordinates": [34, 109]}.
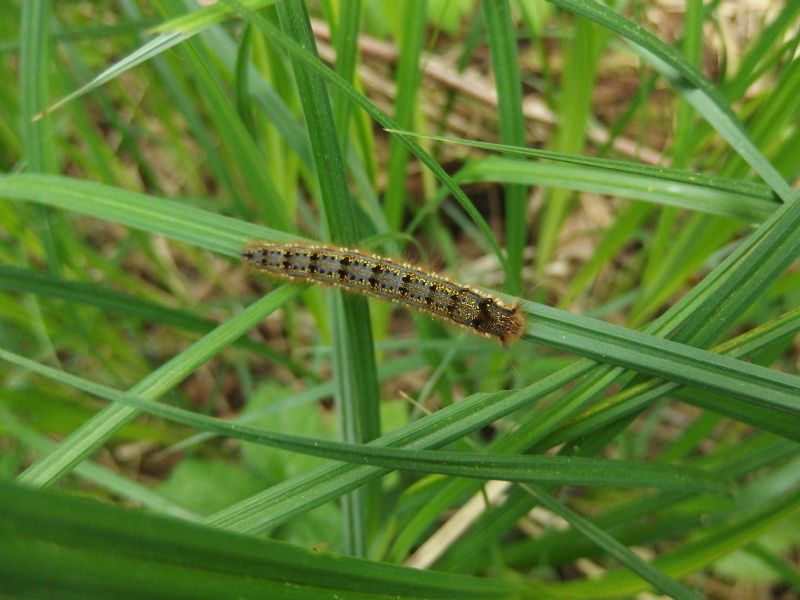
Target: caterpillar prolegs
{"type": "Point", "coordinates": [382, 277]}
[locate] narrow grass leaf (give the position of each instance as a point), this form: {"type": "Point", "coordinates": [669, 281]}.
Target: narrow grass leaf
{"type": "Point", "coordinates": [355, 375]}
{"type": "Point", "coordinates": [557, 470]}
{"type": "Point", "coordinates": [53, 544]}
{"type": "Point", "coordinates": [716, 542]}
{"type": "Point", "coordinates": [140, 211]}
{"type": "Point", "coordinates": [650, 573]}
{"type": "Point", "coordinates": [644, 353]}
{"type": "Point", "coordinates": [505, 65]}
{"type": "Point", "coordinates": [412, 37]}
{"type": "Point", "coordinates": [619, 184]}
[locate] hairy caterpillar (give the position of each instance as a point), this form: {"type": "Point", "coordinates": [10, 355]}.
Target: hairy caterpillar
{"type": "Point", "coordinates": [377, 276]}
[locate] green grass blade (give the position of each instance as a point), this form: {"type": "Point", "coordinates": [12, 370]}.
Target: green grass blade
{"type": "Point", "coordinates": [353, 356]}
{"type": "Point", "coordinates": [34, 67]}
{"type": "Point", "coordinates": [205, 16]}
{"type": "Point", "coordinates": [687, 558]}
{"type": "Point", "coordinates": [54, 545]}
{"type": "Point", "coordinates": [614, 239]}
{"type": "Point", "coordinates": [729, 184]}
{"type": "Point", "coordinates": [730, 288]}
{"type": "Point", "coordinates": [346, 41]}
{"type": "Point", "coordinates": [174, 31]}
{"type": "Point", "coordinates": [644, 353]}
{"type": "Point", "coordinates": [557, 470]}
{"type": "Point", "coordinates": [407, 80]}
{"type": "Point", "coordinates": [636, 397]}
{"type": "Point", "coordinates": [701, 198]}
{"type": "Point", "coordinates": [140, 211]}
{"type": "Point", "coordinates": [660, 580]}
{"type": "Point", "coordinates": [582, 58]}
{"type": "Point", "coordinates": [749, 67]}
{"type": "Point", "coordinates": [78, 292]}
{"type": "Point", "coordinates": [503, 45]}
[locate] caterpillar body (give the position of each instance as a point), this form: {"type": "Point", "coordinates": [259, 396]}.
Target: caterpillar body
{"type": "Point", "coordinates": [357, 271]}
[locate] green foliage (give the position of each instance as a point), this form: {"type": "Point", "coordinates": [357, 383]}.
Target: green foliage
{"type": "Point", "coordinates": [141, 149]}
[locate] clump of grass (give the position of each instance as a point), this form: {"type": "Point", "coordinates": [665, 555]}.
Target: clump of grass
{"type": "Point", "coordinates": [649, 237]}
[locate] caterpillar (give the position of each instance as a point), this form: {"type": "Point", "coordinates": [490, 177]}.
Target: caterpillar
{"type": "Point", "coordinates": [384, 278]}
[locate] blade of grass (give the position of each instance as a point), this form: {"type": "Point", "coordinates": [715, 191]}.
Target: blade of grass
{"type": "Point", "coordinates": [65, 542]}
{"type": "Point", "coordinates": [353, 357]}
{"type": "Point", "coordinates": [34, 66]}
{"type": "Point", "coordinates": [412, 37]}
{"type": "Point", "coordinates": [729, 289]}
{"type": "Point", "coordinates": [582, 54]}
{"type": "Point", "coordinates": [664, 358]}
{"type": "Point", "coordinates": [745, 207]}
{"type": "Point", "coordinates": [78, 292]}
{"type": "Point", "coordinates": [346, 42]}
{"type": "Point", "coordinates": [614, 239]}
{"type": "Point", "coordinates": [140, 211]}
{"type": "Point", "coordinates": [718, 182]}
{"type": "Point", "coordinates": [175, 31]}
{"type": "Point", "coordinates": [558, 470]}
{"type": "Point", "coordinates": [653, 575]}
{"type": "Point", "coordinates": [749, 68]}
{"type": "Point", "coordinates": [775, 114]}
{"type": "Point", "coordinates": [636, 397]}
{"type": "Point", "coordinates": [503, 44]}
{"type": "Point", "coordinates": [265, 95]}
{"type": "Point", "coordinates": [714, 544]}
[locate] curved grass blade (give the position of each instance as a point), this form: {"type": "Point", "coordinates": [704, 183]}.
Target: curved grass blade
{"type": "Point", "coordinates": [140, 211]}
{"type": "Point", "coordinates": [716, 542]}
{"type": "Point", "coordinates": [718, 182]}
{"type": "Point", "coordinates": [55, 546]}
{"type": "Point", "coordinates": [98, 474]}
{"type": "Point", "coordinates": [663, 358]}
{"type": "Point", "coordinates": [80, 292]}
{"type": "Point", "coordinates": [619, 184]}
{"type": "Point", "coordinates": [503, 44]}
{"type": "Point", "coordinates": [557, 470]}
{"type": "Point", "coordinates": [658, 578]}
{"type": "Point", "coordinates": [355, 375]}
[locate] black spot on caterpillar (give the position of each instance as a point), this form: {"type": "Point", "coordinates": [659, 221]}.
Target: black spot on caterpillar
{"type": "Point", "coordinates": [384, 278]}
